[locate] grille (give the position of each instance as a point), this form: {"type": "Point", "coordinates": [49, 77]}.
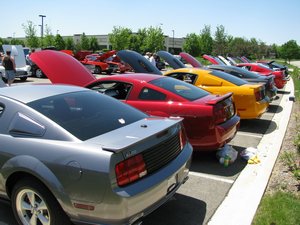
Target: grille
{"type": "Point", "coordinates": [160, 155]}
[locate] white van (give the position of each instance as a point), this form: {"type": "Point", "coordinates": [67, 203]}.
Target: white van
{"type": "Point", "coordinates": [22, 70]}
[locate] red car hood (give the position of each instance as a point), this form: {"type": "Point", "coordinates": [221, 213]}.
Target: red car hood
{"type": "Point", "coordinates": [106, 55]}
{"type": "Point", "coordinates": [211, 59]}
{"type": "Point", "coordinates": [61, 68]}
{"type": "Point", "coordinates": [190, 59]}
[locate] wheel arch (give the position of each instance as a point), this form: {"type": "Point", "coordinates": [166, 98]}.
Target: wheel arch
{"type": "Point", "coordinates": [21, 167]}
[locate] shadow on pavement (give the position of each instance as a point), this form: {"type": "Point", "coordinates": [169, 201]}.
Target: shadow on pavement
{"type": "Point", "coordinates": [208, 163]}
{"type": "Point", "coordinates": [179, 210]}
{"type": "Point", "coordinates": [6, 214]}
{"type": "Point", "coordinates": [258, 126]}
{"type": "Point", "coordinates": [275, 109]}
{"type": "Point", "coordinates": [283, 92]}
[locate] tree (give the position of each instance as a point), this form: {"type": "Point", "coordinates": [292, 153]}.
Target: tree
{"type": "Point", "coordinates": [154, 40]}
{"type": "Point", "coordinates": [85, 42]}
{"type": "Point", "coordinates": [220, 41]}
{"type": "Point", "coordinates": [238, 46]}
{"type": "Point", "coordinates": [30, 32]}
{"type": "Point", "coordinates": [290, 50]}
{"type": "Point", "coordinates": [69, 44]}
{"type": "Point", "coordinates": [120, 38]}
{"type": "Point", "coordinates": [94, 46]}
{"type": "Point", "coordinates": [191, 44]}
{"type": "Point", "coordinates": [48, 40]}
{"type": "Point", "coordinates": [15, 41]}
{"type": "Point", "coordinates": [59, 42]}
{"type": "Point", "coordinates": [206, 41]}
{"type": "Point", "coordinates": [137, 41]}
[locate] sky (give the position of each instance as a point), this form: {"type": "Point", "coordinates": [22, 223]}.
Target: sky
{"type": "Point", "coordinates": [270, 21]}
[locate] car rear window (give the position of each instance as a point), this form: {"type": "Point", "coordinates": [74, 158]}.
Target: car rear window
{"type": "Point", "coordinates": [232, 79]}
{"type": "Point", "coordinates": [181, 88]}
{"type": "Point", "coordinates": [87, 114]}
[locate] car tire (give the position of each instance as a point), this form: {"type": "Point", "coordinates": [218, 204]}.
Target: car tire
{"type": "Point", "coordinates": [31, 200]}
{"type": "Point", "coordinates": [39, 73]}
{"type": "Point", "coordinates": [23, 78]}
{"type": "Point", "coordinates": [108, 72]}
{"type": "Point", "coordinates": [97, 70]}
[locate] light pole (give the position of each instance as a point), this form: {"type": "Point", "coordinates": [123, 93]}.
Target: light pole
{"type": "Point", "coordinates": [42, 28]}
{"type": "Point", "coordinates": [173, 41]}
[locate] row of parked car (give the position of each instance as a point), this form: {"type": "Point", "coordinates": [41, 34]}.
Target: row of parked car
{"type": "Point", "coordinates": [71, 153]}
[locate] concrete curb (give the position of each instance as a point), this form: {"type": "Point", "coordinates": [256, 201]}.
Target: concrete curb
{"type": "Point", "coordinates": [240, 205]}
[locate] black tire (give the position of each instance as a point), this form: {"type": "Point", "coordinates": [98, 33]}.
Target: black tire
{"type": "Point", "coordinates": [97, 70]}
{"type": "Point", "coordinates": [26, 208]}
{"type": "Point", "coordinates": [23, 78]}
{"type": "Point", "coordinates": [108, 72]}
{"type": "Point", "coordinates": [39, 73]}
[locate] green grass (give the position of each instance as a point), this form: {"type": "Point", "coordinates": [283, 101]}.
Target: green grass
{"type": "Point", "coordinates": [278, 209]}
{"type": "Point", "coordinates": [296, 78]}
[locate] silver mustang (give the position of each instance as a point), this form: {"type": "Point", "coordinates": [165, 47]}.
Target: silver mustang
{"type": "Point", "coordinates": [69, 154]}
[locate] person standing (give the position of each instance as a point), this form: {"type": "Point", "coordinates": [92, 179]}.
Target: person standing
{"type": "Point", "coordinates": [153, 59]}
{"type": "Point", "coordinates": [9, 65]}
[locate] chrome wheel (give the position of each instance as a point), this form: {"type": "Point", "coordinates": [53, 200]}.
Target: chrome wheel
{"type": "Point", "coordinates": [31, 208]}
{"type": "Point", "coordinates": [39, 73]}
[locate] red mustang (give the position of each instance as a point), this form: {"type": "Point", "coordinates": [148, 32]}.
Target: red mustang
{"type": "Point", "coordinates": [210, 120]}
{"type": "Point", "coordinates": [95, 63]}
{"type": "Point", "coordinates": [280, 78]}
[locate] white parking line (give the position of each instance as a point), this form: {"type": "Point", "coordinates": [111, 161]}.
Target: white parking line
{"type": "Point", "coordinates": [249, 134]}
{"type": "Point", "coordinates": [211, 177]}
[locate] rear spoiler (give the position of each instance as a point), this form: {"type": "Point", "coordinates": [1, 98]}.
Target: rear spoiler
{"type": "Point", "coordinates": [219, 98]}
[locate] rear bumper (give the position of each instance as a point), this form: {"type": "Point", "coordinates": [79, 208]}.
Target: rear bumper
{"type": "Point", "coordinates": [254, 111]}
{"type": "Point", "coordinates": [130, 204]}
{"type": "Point", "coordinates": [217, 137]}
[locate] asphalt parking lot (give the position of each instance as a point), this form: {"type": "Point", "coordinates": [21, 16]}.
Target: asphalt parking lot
{"type": "Point", "coordinates": [209, 183]}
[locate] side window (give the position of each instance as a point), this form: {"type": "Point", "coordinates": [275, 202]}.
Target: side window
{"type": "Point", "coordinates": [150, 94]}
{"type": "Point", "coordinates": [118, 90]}
{"type": "Point", "coordinates": [189, 78]}
{"type": "Point", "coordinates": [236, 74]}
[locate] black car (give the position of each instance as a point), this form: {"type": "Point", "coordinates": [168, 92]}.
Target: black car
{"type": "Point", "coordinates": [271, 89]}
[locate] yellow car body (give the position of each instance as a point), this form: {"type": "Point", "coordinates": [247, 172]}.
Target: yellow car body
{"type": "Point", "coordinates": [250, 99]}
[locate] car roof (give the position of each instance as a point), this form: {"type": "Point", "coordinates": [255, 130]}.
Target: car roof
{"type": "Point", "coordinates": [29, 93]}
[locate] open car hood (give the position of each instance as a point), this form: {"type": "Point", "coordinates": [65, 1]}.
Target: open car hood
{"type": "Point", "coordinates": [60, 67]}
{"type": "Point", "coordinates": [106, 55]}
{"type": "Point", "coordinates": [190, 59]}
{"type": "Point", "coordinates": [138, 62]}
{"type": "Point", "coordinates": [211, 59]}
{"type": "Point", "coordinates": [171, 60]}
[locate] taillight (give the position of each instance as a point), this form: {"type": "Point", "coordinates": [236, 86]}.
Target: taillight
{"type": "Point", "coordinates": [259, 94]}
{"type": "Point", "coordinates": [219, 113]}
{"type": "Point", "coordinates": [130, 170]}
{"type": "Point", "coordinates": [183, 138]}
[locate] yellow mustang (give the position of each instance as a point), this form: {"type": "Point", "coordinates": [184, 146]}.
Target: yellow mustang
{"type": "Point", "coordinates": [250, 99]}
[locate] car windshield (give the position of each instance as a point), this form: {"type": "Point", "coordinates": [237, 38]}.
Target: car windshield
{"type": "Point", "coordinates": [87, 114]}
{"type": "Point", "coordinates": [230, 78]}
{"type": "Point", "coordinates": [181, 88]}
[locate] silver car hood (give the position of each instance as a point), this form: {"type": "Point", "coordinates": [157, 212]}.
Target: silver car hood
{"type": "Point", "coordinates": [122, 138]}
